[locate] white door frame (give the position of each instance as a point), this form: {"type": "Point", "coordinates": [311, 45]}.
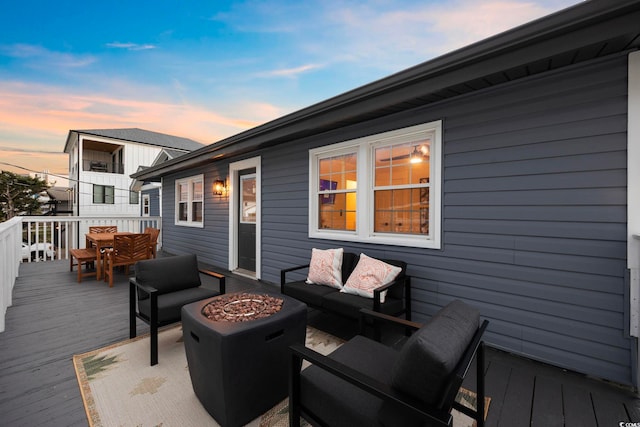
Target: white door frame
{"type": "Point", "coordinates": [234, 169]}
{"type": "Point", "coordinates": [633, 201]}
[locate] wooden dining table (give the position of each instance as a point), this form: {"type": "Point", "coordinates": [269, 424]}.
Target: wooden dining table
{"type": "Point", "coordinates": [101, 241]}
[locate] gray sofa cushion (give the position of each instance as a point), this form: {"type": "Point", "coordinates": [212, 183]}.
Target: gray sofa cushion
{"type": "Point", "coordinates": [168, 274]}
{"type": "Point", "coordinates": [349, 305]}
{"type": "Point", "coordinates": [310, 294]}
{"type": "Point", "coordinates": [432, 353]}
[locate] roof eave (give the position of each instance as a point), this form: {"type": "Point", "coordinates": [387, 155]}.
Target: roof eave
{"type": "Point", "coordinates": [575, 27]}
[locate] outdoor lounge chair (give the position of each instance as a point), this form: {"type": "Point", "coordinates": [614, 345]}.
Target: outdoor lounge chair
{"type": "Point", "coordinates": [161, 287]}
{"type": "Point", "coordinates": [366, 383]}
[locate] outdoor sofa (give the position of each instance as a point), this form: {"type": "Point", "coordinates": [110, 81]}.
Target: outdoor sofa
{"type": "Point", "coordinates": [329, 292]}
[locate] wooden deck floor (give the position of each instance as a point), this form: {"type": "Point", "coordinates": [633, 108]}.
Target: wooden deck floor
{"type": "Point", "coordinates": [53, 317]}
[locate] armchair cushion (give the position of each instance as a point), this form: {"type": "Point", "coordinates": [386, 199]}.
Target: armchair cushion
{"type": "Point", "coordinates": [431, 354]}
{"type": "Point", "coordinates": [170, 304]}
{"type": "Point", "coordinates": [169, 275]}
{"type": "Point", "coordinates": [346, 404]}
{"type": "Point", "coordinates": [370, 273]}
{"type": "Point", "coordinates": [325, 267]}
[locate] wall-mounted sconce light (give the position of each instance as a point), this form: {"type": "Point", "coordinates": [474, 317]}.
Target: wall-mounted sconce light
{"type": "Point", "coordinates": [219, 187]}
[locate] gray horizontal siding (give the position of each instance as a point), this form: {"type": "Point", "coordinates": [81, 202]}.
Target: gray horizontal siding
{"type": "Point", "coordinates": [210, 243]}
{"type": "Point", "coordinates": [534, 215]}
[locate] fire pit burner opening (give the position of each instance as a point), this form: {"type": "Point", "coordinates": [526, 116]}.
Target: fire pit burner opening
{"type": "Point", "coordinates": [241, 307]}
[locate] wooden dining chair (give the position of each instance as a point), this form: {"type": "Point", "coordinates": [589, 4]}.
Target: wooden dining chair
{"type": "Point", "coordinates": [103, 229]}
{"type": "Point", "coordinates": [127, 250]}
{"type": "Point", "coordinates": [153, 236]}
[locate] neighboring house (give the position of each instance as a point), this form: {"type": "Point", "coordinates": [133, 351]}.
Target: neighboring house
{"type": "Point", "coordinates": [522, 199]}
{"type": "Point", "coordinates": [151, 196]}
{"type": "Point", "coordinates": [102, 160]}
{"type": "Point", "coordinates": [60, 201]}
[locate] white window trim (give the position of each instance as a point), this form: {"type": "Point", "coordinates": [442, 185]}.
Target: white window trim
{"type": "Point", "coordinates": [633, 198]}
{"type": "Point", "coordinates": [146, 202]}
{"type": "Point", "coordinates": [189, 181]}
{"type": "Point", "coordinates": [363, 148]}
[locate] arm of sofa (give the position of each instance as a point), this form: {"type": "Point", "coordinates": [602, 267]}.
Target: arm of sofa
{"type": "Point", "coordinates": [284, 272]}
{"type": "Point", "coordinates": [407, 295]}
{"type": "Point", "coordinates": [221, 279]}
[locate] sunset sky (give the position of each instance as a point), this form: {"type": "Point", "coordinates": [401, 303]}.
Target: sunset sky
{"type": "Point", "coordinates": [206, 70]}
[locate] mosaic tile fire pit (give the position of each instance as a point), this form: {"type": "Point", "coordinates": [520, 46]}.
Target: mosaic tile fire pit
{"type": "Point", "coordinates": [241, 307]}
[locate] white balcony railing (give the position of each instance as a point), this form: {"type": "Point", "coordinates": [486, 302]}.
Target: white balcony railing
{"type": "Point", "coordinates": [62, 232]}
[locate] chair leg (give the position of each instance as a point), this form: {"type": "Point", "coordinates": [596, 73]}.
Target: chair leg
{"type": "Point", "coordinates": [132, 311]}
{"type": "Point", "coordinates": [154, 344]}
{"type": "Point", "coordinates": [294, 391]}
{"type": "Point", "coordinates": [153, 332]}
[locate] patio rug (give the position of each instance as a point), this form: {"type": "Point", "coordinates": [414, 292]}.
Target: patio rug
{"type": "Point", "coordinates": [119, 388]}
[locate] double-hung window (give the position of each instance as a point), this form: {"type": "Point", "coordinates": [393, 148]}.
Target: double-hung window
{"type": "Point", "coordinates": [190, 201]}
{"type": "Point", "coordinates": [384, 188]}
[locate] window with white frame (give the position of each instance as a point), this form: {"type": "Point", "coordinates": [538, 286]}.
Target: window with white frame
{"type": "Point", "coordinates": [383, 188]}
{"type": "Point", "coordinates": [146, 205]}
{"type": "Point", "coordinates": [190, 201]}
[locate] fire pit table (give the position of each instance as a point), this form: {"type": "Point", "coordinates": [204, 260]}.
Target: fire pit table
{"type": "Point", "coordinates": [237, 352]}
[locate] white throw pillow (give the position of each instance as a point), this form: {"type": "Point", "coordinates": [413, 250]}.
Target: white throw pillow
{"type": "Point", "coordinates": [325, 267]}
{"type": "Point", "coordinates": [369, 274]}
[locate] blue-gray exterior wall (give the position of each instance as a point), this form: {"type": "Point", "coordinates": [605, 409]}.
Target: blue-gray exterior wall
{"type": "Point", "coordinates": [534, 215]}
{"type": "Point", "coordinates": [210, 242]}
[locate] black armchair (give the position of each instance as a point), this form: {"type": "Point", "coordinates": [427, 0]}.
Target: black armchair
{"type": "Point", "coordinates": [161, 287]}
{"type": "Point", "coordinates": [364, 382]}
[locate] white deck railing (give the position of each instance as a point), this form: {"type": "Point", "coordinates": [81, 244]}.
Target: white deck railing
{"type": "Point", "coordinates": [9, 263]}
{"type": "Point", "coordinates": [63, 232]}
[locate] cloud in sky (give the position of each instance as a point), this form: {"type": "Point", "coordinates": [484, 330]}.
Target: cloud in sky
{"type": "Point", "coordinates": [210, 70]}
{"type": "Point", "coordinates": [48, 108]}
{"type": "Point", "coordinates": [131, 46]}
{"type": "Point", "coordinates": [35, 55]}
{"type": "Point", "coordinates": [290, 72]}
